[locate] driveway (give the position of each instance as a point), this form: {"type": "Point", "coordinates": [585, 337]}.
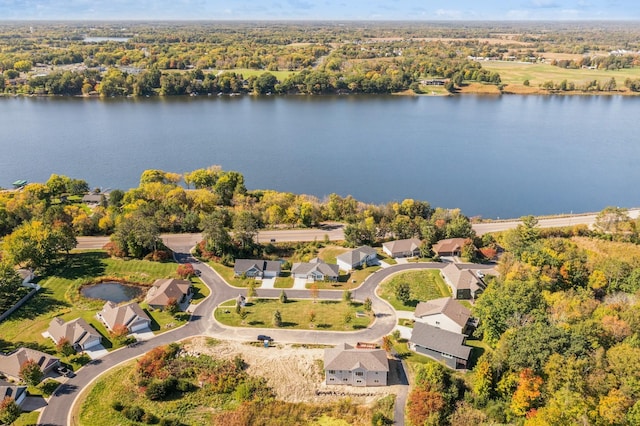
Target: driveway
{"type": "Point", "coordinates": [300, 283]}
{"type": "Point", "coordinates": [268, 282]}
{"type": "Point", "coordinates": [144, 334]}
{"type": "Point", "coordinates": [95, 352]}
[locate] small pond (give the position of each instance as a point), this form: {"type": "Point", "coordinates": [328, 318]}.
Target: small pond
{"type": "Point", "coordinates": [112, 291]}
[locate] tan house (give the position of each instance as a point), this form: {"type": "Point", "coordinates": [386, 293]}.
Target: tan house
{"type": "Point", "coordinates": [130, 315]}
{"type": "Point", "coordinates": [162, 292]}
{"type": "Point", "coordinates": [11, 363]}
{"type": "Point", "coordinates": [346, 365]}
{"type": "Point", "coordinates": [402, 248]}
{"type": "Point", "coordinates": [464, 283]}
{"type": "Point", "coordinates": [445, 313]}
{"type": "Point", "coordinates": [77, 332]}
{"type": "Point", "coordinates": [449, 247]}
{"type": "Point", "coordinates": [10, 390]}
{"type": "Point", "coordinates": [316, 270]}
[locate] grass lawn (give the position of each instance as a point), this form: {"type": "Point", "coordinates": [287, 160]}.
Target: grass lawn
{"type": "Point", "coordinates": [27, 419]}
{"type": "Point", "coordinates": [517, 73]}
{"type": "Point", "coordinates": [402, 347]}
{"type": "Point", "coordinates": [424, 285]}
{"type": "Point", "coordinates": [386, 259]}
{"type": "Point", "coordinates": [60, 296]}
{"type": "Point", "coordinates": [285, 280]}
{"type": "Point", "coordinates": [201, 291]}
{"type": "Point", "coordinates": [246, 73]}
{"type": "Point", "coordinates": [330, 314]}
{"type": "Point", "coordinates": [227, 274]}
{"type": "Point", "coordinates": [330, 253]}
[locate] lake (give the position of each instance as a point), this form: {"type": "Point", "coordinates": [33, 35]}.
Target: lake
{"type": "Point", "coordinates": [502, 156]}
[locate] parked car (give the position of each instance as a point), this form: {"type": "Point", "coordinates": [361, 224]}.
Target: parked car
{"type": "Point", "coordinates": [64, 371]}
{"type": "Point", "coordinates": [262, 338]}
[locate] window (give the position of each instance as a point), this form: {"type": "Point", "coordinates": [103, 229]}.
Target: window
{"type": "Point", "coordinates": [332, 371]}
{"type": "Point", "coordinates": [345, 380]}
{"type": "Point", "coordinates": [359, 373]}
{"type": "Point", "coordinates": [376, 381]}
{"type": "Point", "coordinates": [437, 322]}
{"type": "Point", "coordinates": [331, 379]}
{"type": "Point", "coordinates": [447, 356]}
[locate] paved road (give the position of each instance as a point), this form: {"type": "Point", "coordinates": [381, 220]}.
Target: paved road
{"type": "Point", "coordinates": [58, 411]}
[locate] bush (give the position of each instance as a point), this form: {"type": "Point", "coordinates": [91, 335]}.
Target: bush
{"type": "Point", "coordinates": [379, 419]}
{"type": "Point", "coordinates": [117, 405]}
{"type": "Point", "coordinates": [168, 421]}
{"type": "Point", "coordinates": [150, 419]}
{"type": "Point", "coordinates": [133, 413]}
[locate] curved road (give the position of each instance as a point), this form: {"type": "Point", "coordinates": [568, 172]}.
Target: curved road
{"type": "Point", "coordinates": [58, 412]}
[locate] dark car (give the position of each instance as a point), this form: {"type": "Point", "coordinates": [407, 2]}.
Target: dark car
{"type": "Point", "coordinates": [262, 338]}
{"type": "Point", "coordinates": [64, 371]}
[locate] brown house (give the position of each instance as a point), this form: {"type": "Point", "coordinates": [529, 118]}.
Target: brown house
{"type": "Point", "coordinates": [11, 363]}
{"type": "Point", "coordinates": [77, 332]}
{"type": "Point", "coordinates": [130, 315]}
{"type": "Point", "coordinates": [164, 291]}
{"type": "Point", "coordinates": [449, 247]}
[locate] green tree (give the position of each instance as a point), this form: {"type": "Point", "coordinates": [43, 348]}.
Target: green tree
{"type": "Point", "coordinates": [346, 296]}
{"type": "Point", "coordinates": [277, 319]}
{"type": "Point", "coordinates": [9, 411]}
{"type": "Point", "coordinates": [245, 228]}
{"type": "Point", "coordinates": [251, 290]}
{"type": "Point", "coordinates": [283, 297]}
{"type": "Point", "coordinates": [215, 233]}
{"type": "Point", "coordinates": [65, 347]}
{"type": "Point", "coordinates": [265, 83]}
{"type": "Point", "coordinates": [31, 373]}
{"type": "Point", "coordinates": [137, 235]}
{"type": "Point", "coordinates": [403, 293]}
{"type": "Point", "coordinates": [37, 244]}
{"type": "Point", "coordinates": [367, 304]}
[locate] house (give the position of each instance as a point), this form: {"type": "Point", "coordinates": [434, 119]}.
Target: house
{"type": "Point", "coordinates": [256, 268]}
{"type": "Point", "coordinates": [346, 365]}
{"type": "Point", "coordinates": [10, 390]}
{"type": "Point", "coordinates": [356, 258]}
{"type": "Point", "coordinates": [440, 344]}
{"type": "Point", "coordinates": [445, 313]}
{"type": "Point", "coordinates": [464, 283]}
{"type": "Point", "coordinates": [77, 332]}
{"type": "Point", "coordinates": [164, 291]}
{"type": "Point", "coordinates": [315, 270]}
{"type": "Point", "coordinates": [93, 199]}
{"type": "Point", "coordinates": [11, 363]}
{"type": "Point", "coordinates": [449, 247]}
{"type": "Point", "coordinates": [402, 248]}
{"type": "Point", "coordinates": [130, 315]}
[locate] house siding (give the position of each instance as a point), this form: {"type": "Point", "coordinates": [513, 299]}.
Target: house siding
{"type": "Point", "coordinates": [442, 321]}
{"type": "Point", "coordinates": [449, 362]}
{"type": "Point", "coordinates": [351, 377]}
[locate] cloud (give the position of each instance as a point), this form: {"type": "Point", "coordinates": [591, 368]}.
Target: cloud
{"type": "Point", "coordinates": [543, 4]}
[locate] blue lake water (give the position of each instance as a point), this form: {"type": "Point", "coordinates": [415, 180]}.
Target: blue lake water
{"type": "Point", "coordinates": [502, 156]}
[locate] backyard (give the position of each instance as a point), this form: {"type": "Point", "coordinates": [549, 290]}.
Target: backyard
{"type": "Point", "coordinates": [424, 285]}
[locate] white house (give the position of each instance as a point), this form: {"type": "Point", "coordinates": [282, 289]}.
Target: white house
{"type": "Point", "coordinates": [256, 268]}
{"type": "Point", "coordinates": [315, 270]}
{"type": "Point", "coordinates": [130, 315]}
{"type": "Point", "coordinates": [445, 313]}
{"type": "Point", "coordinates": [355, 258]}
{"type": "Point", "coordinates": [402, 248]}
{"type": "Point", "coordinates": [346, 365]}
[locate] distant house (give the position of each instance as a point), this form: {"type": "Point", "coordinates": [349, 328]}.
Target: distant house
{"type": "Point", "coordinates": [346, 365]}
{"type": "Point", "coordinates": [77, 332]}
{"type": "Point", "coordinates": [445, 313]}
{"type": "Point", "coordinates": [440, 344]}
{"type": "Point", "coordinates": [130, 315]}
{"type": "Point", "coordinates": [10, 390]}
{"type": "Point", "coordinates": [402, 248]}
{"type": "Point", "coordinates": [93, 199]}
{"type": "Point", "coordinates": [449, 247]}
{"type": "Point", "coordinates": [355, 258]}
{"type": "Point", "coordinates": [315, 270]}
{"type": "Point", "coordinates": [11, 363]}
{"type": "Point", "coordinates": [464, 283]}
{"type": "Point", "coordinates": [162, 292]}
{"type": "Point", "coordinates": [256, 268]}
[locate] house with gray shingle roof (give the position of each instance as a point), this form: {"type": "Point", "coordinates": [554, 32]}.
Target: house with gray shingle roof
{"type": "Point", "coordinates": [356, 258]}
{"type": "Point", "coordinates": [445, 313]}
{"type": "Point", "coordinates": [449, 247]}
{"type": "Point", "coordinates": [130, 315]}
{"type": "Point", "coordinates": [441, 345]}
{"type": "Point", "coordinates": [11, 363]}
{"type": "Point", "coordinates": [256, 268]}
{"type": "Point", "coordinates": [346, 365]}
{"type": "Point", "coordinates": [315, 270]}
{"type": "Point", "coordinates": [163, 291]}
{"type": "Point", "coordinates": [77, 332]}
{"type": "Point", "coordinates": [402, 248]}
{"type": "Point", "coordinates": [10, 390]}
{"type": "Point", "coordinates": [463, 282]}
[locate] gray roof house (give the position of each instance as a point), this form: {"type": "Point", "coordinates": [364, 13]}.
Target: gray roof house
{"type": "Point", "coordinates": [445, 313]}
{"type": "Point", "coordinates": [130, 315]}
{"type": "Point", "coordinates": [463, 282]}
{"type": "Point", "coordinates": [10, 390]}
{"type": "Point", "coordinates": [440, 344]}
{"type": "Point", "coordinates": [355, 258]}
{"type": "Point", "coordinates": [164, 290]}
{"type": "Point", "coordinates": [77, 332]}
{"type": "Point", "coordinates": [449, 247]}
{"type": "Point", "coordinates": [11, 363]}
{"type": "Point", "coordinates": [346, 365]}
{"type": "Point", "coordinates": [315, 270]}
{"type": "Point", "coordinates": [402, 248]}
{"type": "Point", "coordinates": [256, 268]}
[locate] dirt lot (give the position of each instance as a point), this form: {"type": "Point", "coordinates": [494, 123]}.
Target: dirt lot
{"type": "Point", "coordinates": [295, 374]}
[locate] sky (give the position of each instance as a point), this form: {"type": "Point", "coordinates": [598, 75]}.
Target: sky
{"type": "Point", "coordinates": [427, 10]}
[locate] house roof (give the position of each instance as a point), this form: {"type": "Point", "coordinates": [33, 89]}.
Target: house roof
{"type": "Point", "coordinates": [10, 390]}
{"type": "Point", "coordinates": [316, 265]}
{"type": "Point", "coordinates": [403, 246]}
{"type": "Point", "coordinates": [243, 265]}
{"type": "Point", "coordinates": [93, 198]}
{"type": "Point", "coordinates": [440, 340]}
{"type": "Point", "coordinates": [449, 245]}
{"type": "Point", "coordinates": [10, 364]}
{"type": "Point", "coordinates": [77, 331]}
{"type": "Point", "coordinates": [114, 315]}
{"type": "Point", "coordinates": [462, 279]}
{"type": "Point", "coordinates": [353, 257]}
{"type": "Point", "coordinates": [162, 291]}
{"type": "Point", "coordinates": [346, 357]}
{"type": "Point", "coordinates": [445, 305]}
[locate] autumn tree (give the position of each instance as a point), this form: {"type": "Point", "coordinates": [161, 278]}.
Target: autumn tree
{"type": "Point", "coordinates": [31, 373]}
{"type": "Point", "coordinates": [527, 393]}
{"type": "Point", "coordinates": [424, 405]}
{"type": "Point", "coordinates": [315, 292]}
{"type": "Point", "coordinates": [185, 270]}
{"type": "Point", "coordinates": [65, 347]}
{"type": "Point", "coordinates": [9, 411]}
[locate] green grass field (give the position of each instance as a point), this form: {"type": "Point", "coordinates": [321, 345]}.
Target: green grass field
{"type": "Point", "coordinates": [330, 314]}
{"type": "Point", "coordinates": [246, 73]}
{"type": "Point", "coordinates": [517, 73]}
{"type": "Point", "coordinates": [60, 296]}
{"type": "Point", "coordinates": [226, 272]}
{"type": "Point", "coordinates": [425, 285]}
